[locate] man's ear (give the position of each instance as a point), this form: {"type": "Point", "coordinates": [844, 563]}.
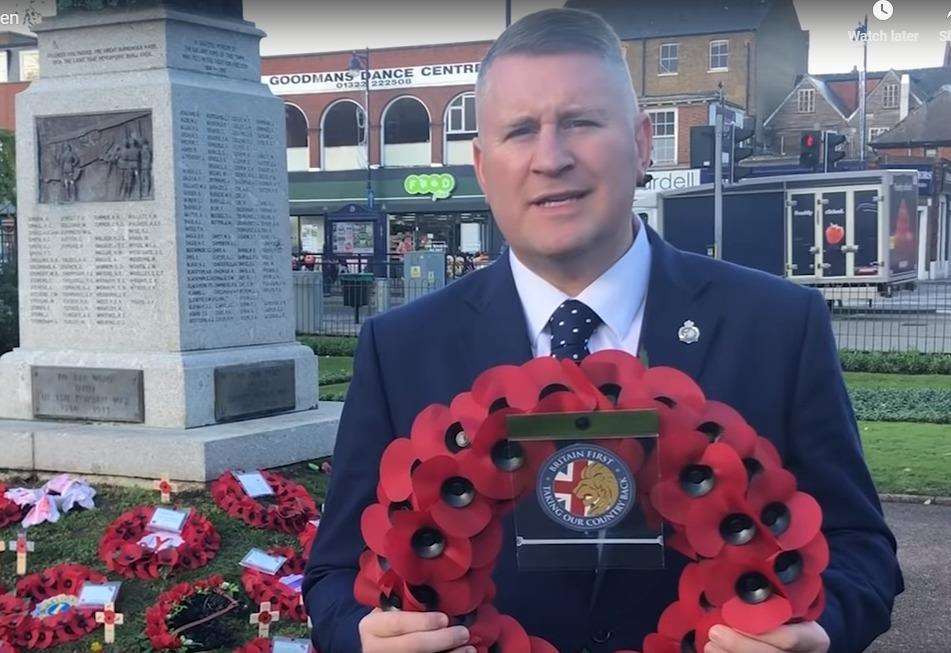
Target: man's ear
{"type": "Point", "coordinates": [643, 139]}
{"type": "Point", "coordinates": [477, 162]}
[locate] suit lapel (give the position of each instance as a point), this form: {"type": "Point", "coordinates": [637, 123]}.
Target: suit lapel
{"type": "Point", "coordinates": [497, 332]}
{"type": "Point", "coordinates": [676, 294]}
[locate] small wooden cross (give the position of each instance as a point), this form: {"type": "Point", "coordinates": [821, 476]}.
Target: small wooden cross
{"type": "Point", "coordinates": [264, 618]}
{"type": "Point", "coordinates": [110, 619]}
{"type": "Point", "coordinates": [166, 487]}
{"type": "Point", "coordinates": [22, 546]}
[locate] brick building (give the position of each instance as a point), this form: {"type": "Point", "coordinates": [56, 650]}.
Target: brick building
{"type": "Point", "coordinates": [681, 51]}
{"type": "Point", "coordinates": [421, 123]}
{"type": "Point", "coordinates": [831, 102]}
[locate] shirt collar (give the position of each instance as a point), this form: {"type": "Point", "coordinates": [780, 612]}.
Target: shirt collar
{"type": "Point", "coordinates": [616, 296]}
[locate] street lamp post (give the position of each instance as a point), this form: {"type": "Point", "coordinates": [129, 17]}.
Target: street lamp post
{"type": "Point", "coordinates": [361, 63]}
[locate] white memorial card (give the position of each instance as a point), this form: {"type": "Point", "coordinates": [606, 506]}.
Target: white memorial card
{"type": "Point", "coordinates": [293, 581]}
{"type": "Point", "coordinates": [254, 484]}
{"type": "Point", "coordinates": [262, 561]}
{"type": "Point", "coordinates": [166, 519]}
{"type": "Point", "coordinates": [285, 645]}
{"type": "Point", "coordinates": [96, 595]}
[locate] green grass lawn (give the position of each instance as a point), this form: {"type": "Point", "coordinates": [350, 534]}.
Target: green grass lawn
{"type": "Point", "coordinates": [870, 380]}
{"type": "Point", "coordinates": [75, 538]}
{"type": "Point", "coordinates": [335, 365]}
{"type": "Point", "coordinates": [908, 458]}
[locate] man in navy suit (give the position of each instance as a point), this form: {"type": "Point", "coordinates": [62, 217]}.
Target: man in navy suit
{"type": "Point", "coordinates": [561, 144]}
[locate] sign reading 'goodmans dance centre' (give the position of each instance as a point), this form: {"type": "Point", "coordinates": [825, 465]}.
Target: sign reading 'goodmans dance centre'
{"type": "Point", "coordinates": [296, 83]}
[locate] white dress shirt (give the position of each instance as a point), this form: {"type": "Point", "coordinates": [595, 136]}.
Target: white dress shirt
{"type": "Point", "coordinates": [617, 296]}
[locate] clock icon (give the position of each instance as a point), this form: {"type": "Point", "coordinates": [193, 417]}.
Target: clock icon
{"type": "Point", "coordinates": [883, 10]}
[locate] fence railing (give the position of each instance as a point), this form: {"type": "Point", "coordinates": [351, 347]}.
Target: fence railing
{"type": "Point", "coordinates": [864, 317]}
{"type": "Point", "coordinates": [869, 318]}
{"type": "Point", "coordinates": [340, 306]}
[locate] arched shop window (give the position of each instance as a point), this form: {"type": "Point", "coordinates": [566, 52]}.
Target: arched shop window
{"type": "Point", "coordinates": [406, 133]}
{"type": "Point", "coordinates": [460, 129]}
{"type": "Point", "coordinates": [295, 125]}
{"type": "Point", "coordinates": [343, 146]}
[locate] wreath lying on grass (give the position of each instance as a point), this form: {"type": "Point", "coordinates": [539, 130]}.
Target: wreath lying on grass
{"type": "Point", "coordinates": [42, 613]}
{"type": "Point", "coordinates": [199, 616]}
{"type": "Point", "coordinates": [10, 512]}
{"type": "Point", "coordinates": [263, 587]}
{"type": "Point", "coordinates": [121, 551]}
{"type": "Point", "coordinates": [290, 511]}
{"type": "Point", "coordinates": [435, 534]}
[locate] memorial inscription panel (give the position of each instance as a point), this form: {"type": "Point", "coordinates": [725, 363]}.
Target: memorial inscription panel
{"type": "Point", "coordinates": [93, 269]}
{"type": "Point", "coordinates": [96, 157]}
{"type": "Point", "coordinates": [231, 218]}
{"type": "Point", "coordinates": [86, 393]}
{"type": "Point", "coordinates": [254, 389]}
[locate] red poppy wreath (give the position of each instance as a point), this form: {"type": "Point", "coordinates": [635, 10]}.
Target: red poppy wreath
{"type": "Point", "coordinates": [199, 616]}
{"type": "Point", "coordinates": [435, 533]}
{"type": "Point", "coordinates": [263, 587]}
{"type": "Point", "coordinates": [128, 548]}
{"type": "Point", "coordinates": [293, 507]}
{"type": "Point", "coordinates": [43, 611]}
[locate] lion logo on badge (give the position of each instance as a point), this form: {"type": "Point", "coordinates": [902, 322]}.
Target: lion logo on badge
{"type": "Point", "coordinates": [585, 487]}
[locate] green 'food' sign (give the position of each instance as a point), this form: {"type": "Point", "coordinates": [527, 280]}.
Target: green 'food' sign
{"type": "Point", "coordinates": [438, 185]}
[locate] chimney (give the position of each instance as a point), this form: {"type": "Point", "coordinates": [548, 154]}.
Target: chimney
{"type": "Point", "coordinates": [903, 101]}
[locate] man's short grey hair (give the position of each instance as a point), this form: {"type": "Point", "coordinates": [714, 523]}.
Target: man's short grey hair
{"type": "Point", "coordinates": [557, 31]}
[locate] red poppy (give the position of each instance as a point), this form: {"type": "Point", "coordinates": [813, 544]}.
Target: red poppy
{"type": "Point", "coordinates": [793, 517]}
{"type": "Point", "coordinates": [721, 423]}
{"type": "Point", "coordinates": [694, 473]}
{"type": "Point", "coordinates": [677, 622]}
{"type": "Point", "coordinates": [374, 525]}
{"type": "Point", "coordinates": [437, 432]}
{"type": "Point", "coordinates": [512, 637]}
{"type": "Point", "coordinates": [749, 595]}
{"type": "Point", "coordinates": [703, 626]}
{"type": "Point", "coordinates": [307, 536]}
{"type": "Point", "coordinates": [618, 376]}
{"type": "Point", "coordinates": [455, 597]}
{"type": "Point", "coordinates": [673, 388]}
{"type": "Point", "coordinates": [467, 411]}
{"type": "Point", "coordinates": [506, 386]}
{"type": "Point", "coordinates": [549, 375]}
{"type": "Point", "coordinates": [798, 571]}
{"type": "Point", "coordinates": [156, 616]}
{"type": "Point", "coordinates": [441, 486]}
{"type": "Point", "coordinates": [257, 645]}
{"type": "Point", "coordinates": [727, 522]}
{"type": "Point", "coordinates": [396, 467]}
{"type": "Point", "coordinates": [421, 552]}
{"type": "Point", "coordinates": [484, 625]}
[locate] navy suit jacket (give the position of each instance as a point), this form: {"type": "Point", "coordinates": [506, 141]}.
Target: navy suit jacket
{"type": "Point", "coordinates": [766, 348]}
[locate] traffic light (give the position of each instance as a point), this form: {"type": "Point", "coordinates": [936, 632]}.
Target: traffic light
{"type": "Point", "coordinates": [741, 134]}
{"type": "Point", "coordinates": [810, 150]}
{"type": "Point", "coordinates": [703, 142]}
{"type": "Point", "coordinates": [833, 141]}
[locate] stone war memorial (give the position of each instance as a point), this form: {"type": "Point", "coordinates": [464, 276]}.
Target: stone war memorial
{"type": "Point", "coordinates": [156, 314]}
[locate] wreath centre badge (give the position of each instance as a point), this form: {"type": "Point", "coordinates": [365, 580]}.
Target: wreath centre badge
{"type": "Point", "coordinates": [585, 487]}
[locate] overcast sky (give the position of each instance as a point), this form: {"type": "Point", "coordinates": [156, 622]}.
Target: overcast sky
{"type": "Point", "coordinates": [295, 26]}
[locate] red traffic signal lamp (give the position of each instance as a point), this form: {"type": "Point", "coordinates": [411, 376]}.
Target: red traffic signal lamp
{"type": "Point", "coordinates": [810, 150]}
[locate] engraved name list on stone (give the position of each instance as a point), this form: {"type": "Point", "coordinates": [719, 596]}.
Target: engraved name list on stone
{"type": "Point", "coordinates": [93, 269]}
{"type": "Point", "coordinates": [229, 214]}
{"type": "Point", "coordinates": [87, 393]}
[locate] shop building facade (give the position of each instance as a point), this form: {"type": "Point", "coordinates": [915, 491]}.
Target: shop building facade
{"type": "Point", "coordinates": [413, 155]}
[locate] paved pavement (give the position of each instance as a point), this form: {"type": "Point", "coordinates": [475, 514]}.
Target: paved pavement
{"type": "Point", "coordinates": [921, 622]}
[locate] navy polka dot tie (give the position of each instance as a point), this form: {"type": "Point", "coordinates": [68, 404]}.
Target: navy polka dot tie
{"type": "Point", "coordinates": [571, 327]}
